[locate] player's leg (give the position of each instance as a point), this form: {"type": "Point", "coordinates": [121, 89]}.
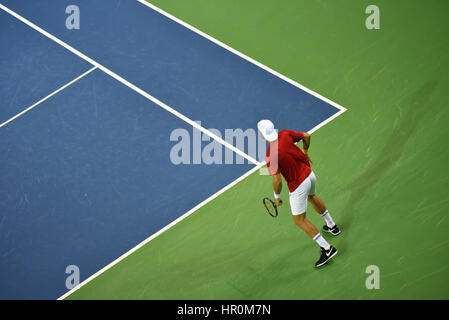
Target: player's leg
{"type": "Point", "coordinates": [298, 203]}
{"type": "Point", "coordinates": [327, 251]}
{"type": "Point", "coordinates": [302, 222]}
{"type": "Point", "coordinates": [317, 204]}
{"type": "Point", "coordinates": [321, 209]}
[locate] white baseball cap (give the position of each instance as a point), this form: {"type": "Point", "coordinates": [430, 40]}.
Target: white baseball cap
{"type": "Point", "coordinates": [266, 128]}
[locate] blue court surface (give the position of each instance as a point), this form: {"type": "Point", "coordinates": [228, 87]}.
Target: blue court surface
{"type": "Point", "coordinates": [86, 174]}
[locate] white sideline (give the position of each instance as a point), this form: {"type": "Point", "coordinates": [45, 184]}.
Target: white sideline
{"type": "Point", "coordinates": [168, 226]}
{"type": "Point", "coordinates": [49, 96]}
{"type": "Point", "coordinates": [130, 85]}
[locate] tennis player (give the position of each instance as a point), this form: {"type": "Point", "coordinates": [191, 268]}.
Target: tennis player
{"type": "Point", "coordinates": [285, 158]}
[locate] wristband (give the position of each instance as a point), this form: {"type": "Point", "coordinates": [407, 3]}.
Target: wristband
{"type": "Point", "coordinates": [277, 196]}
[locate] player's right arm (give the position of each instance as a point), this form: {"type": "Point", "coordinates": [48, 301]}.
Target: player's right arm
{"type": "Point", "coordinates": [277, 186]}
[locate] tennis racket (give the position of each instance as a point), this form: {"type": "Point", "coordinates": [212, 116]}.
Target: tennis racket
{"type": "Point", "coordinates": [271, 207]}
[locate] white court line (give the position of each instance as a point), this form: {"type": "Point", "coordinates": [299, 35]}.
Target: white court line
{"type": "Point", "coordinates": [47, 97]}
{"type": "Point", "coordinates": [241, 55]}
{"type": "Point", "coordinates": [131, 86]}
{"type": "Point", "coordinates": [326, 121]}
{"type": "Point", "coordinates": [154, 235]}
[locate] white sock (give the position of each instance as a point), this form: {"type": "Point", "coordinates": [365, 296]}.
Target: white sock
{"type": "Point", "coordinates": [327, 217]}
{"type": "Point", "coordinates": [321, 241]}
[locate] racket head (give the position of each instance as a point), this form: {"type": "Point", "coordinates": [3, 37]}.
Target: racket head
{"type": "Point", "coordinates": [271, 207]}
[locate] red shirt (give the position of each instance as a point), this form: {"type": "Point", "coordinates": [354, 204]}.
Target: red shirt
{"type": "Point", "coordinates": [292, 163]}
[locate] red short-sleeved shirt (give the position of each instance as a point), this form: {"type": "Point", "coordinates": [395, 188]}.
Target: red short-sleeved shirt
{"type": "Point", "coordinates": [291, 162]}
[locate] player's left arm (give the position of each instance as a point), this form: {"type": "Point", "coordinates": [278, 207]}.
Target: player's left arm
{"type": "Point", "coordinates": [277, 186]}
{"type": "Point", "coordinates": [298, 136]}
{"type": "Point", "coordinates": [306, 142]}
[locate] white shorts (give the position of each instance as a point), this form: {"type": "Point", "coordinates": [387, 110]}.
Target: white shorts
{"type": "Point", "coordinates": [298, 198]}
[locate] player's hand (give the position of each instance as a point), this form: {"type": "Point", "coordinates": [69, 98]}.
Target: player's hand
{"type": "Point", "coordinates": [278, 202]}
{"type": "Point", "coordinates": [306, 152]}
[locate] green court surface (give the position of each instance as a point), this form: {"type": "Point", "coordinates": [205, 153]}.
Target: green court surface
{"type": "Point", "coordinates": [381, 166]}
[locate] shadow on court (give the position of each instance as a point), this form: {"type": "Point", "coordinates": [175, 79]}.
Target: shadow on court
{"type": "Point", "coordinates": [388, 156]}
{"type": "Point", "coordinates": [250, 271]}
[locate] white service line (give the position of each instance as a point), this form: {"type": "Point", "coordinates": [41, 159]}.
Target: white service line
{"type": "Point", "coordinates": [47, 97]}
{"type": "Point", "coordinates": [131, 86]}
{"type": "Point", "coordinates": [154, 235]}
{"type": "Point", "coordinates": [241, 55]}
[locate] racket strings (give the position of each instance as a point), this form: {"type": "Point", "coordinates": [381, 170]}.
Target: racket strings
{"type": "Point", "coordinates": [270, 207]}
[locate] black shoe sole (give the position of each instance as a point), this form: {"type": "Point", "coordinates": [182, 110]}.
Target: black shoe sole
{"type": "Point", "coordinates": [326, 261]}
{"type": "Point", "coordinates": [335, 234]}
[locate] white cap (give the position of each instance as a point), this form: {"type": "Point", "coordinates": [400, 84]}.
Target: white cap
{"type": "Point", "coordinates": [266, 128]}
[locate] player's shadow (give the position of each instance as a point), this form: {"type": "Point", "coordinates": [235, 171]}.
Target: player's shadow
{"type": "Point", "coordinates": [260, 283]}
{"type": "Point", "coordinates": [388, 156]}
{"type": "Point", "coordinates": [244, 275]}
